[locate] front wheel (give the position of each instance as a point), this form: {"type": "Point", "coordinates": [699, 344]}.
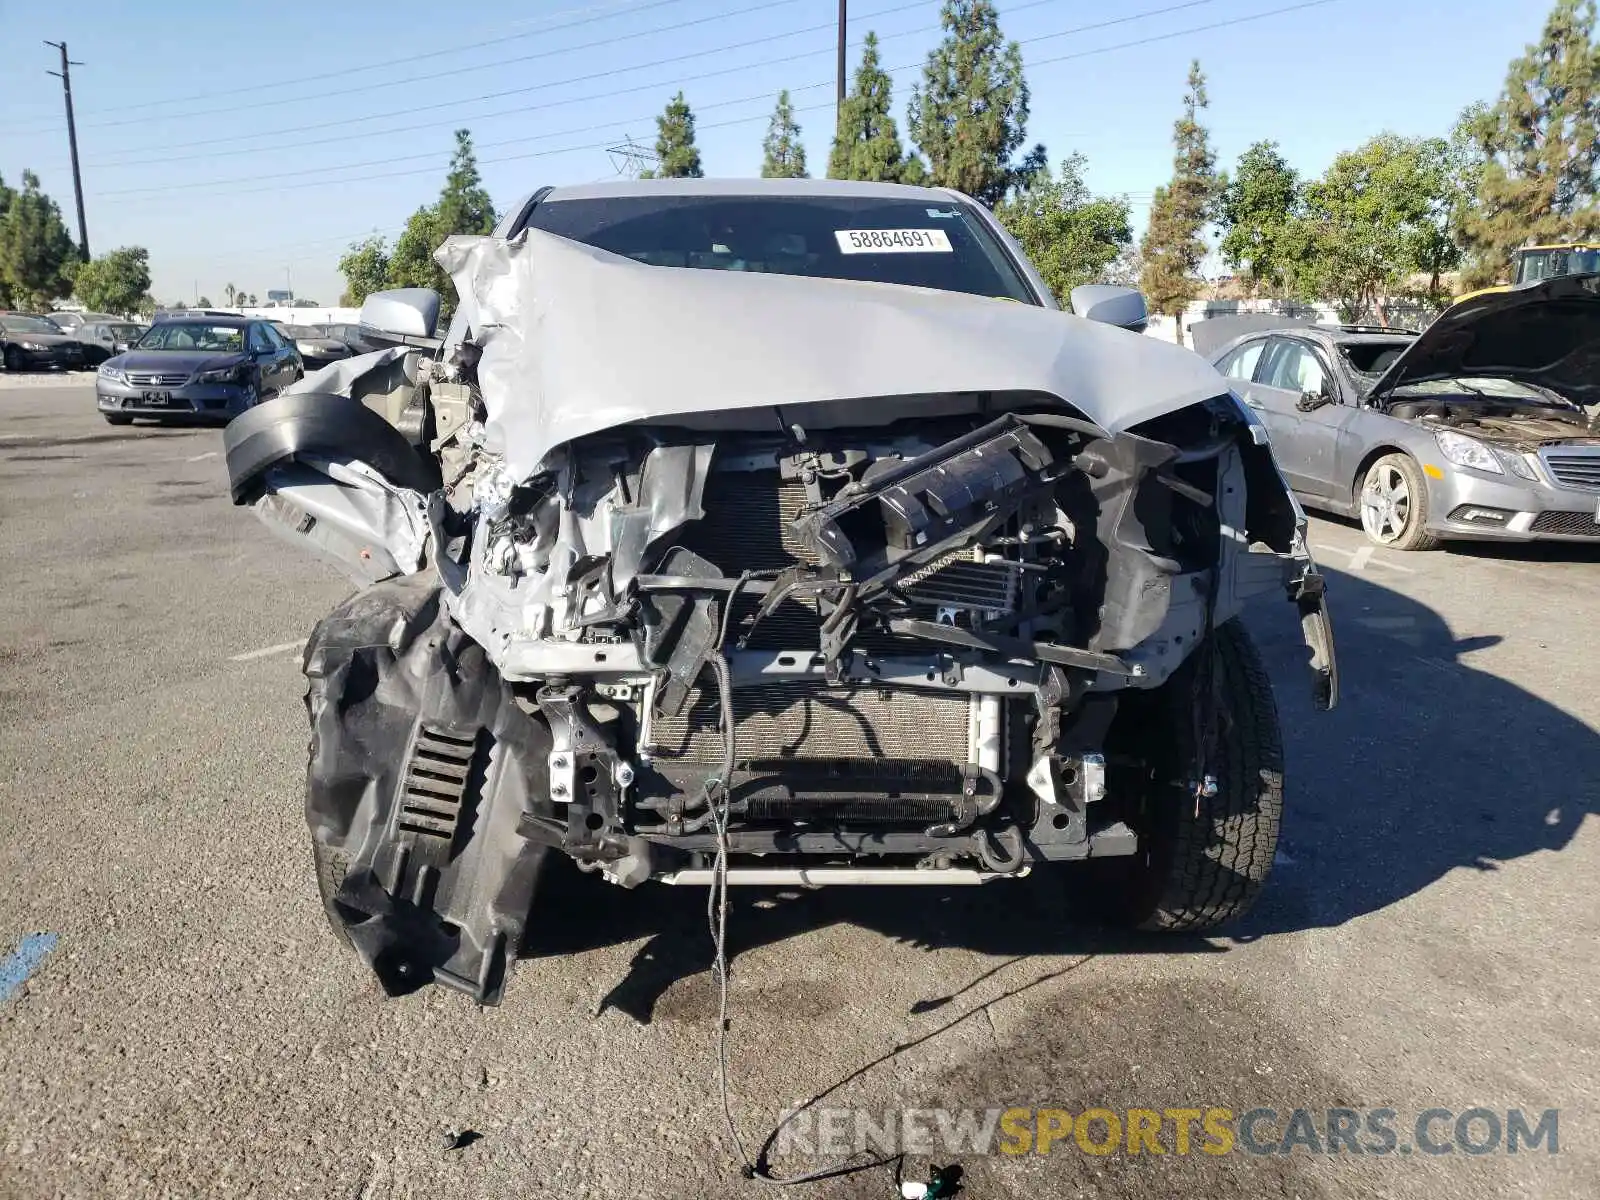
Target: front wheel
{"type": "Point", "coordinates": [1394, 504]}
{"type": "Point", "coordinates": [1202, 859]}
{"type": "Point", "coordinates": [14, 359]}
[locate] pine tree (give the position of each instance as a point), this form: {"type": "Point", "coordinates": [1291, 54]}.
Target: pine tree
{"type": "Point", "coordinates": [37, 255]}
{"type": "Point", "coordinates": [677, 157]}
{"type": "Point", "coordinates": [970, 113]}
{"type": "Point", "coordinates": [866, 142]}
{"type": "Point", "coordinates": [784, 156]}
{"type": "Point", "coordinates": [463, 206]}
{"type": "Point", "coordinates": [1173, 247]}
{"type": "Point", "coordinates": [1542, 146]}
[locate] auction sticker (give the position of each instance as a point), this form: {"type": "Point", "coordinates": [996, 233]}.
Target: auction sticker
{"type": "Point", "coordinates": [893, 241]}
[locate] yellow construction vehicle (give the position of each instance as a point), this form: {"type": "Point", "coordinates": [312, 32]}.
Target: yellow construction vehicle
{"type": "Point", "coordinates": [1533, 263]}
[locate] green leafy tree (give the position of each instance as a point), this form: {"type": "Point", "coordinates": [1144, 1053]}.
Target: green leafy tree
{"type": "Point", "coordinates": [866, 141]}
{"type": "Point", "coordinates": [1125, 269]}
{"type": "Point", "coordinates": [365, 269]}
{"type": "Point", "coordinates": [203, 302]}
{"type": "Point", "coordinates": [1073, 237]}
{"type": "Point", "coordinates": [783, 155]}
{"type": "Point", "coordinates": [970, 112]}
{"type": "Point", "coordinates": [677, 157]}
{"type": "Point", "coordinates": [463, 207]}
{"type": "Point", "coordinates": [1174, 245]}
{"type": "Point", "coordinates": [1375, 220]}
{"type": "Point", "coordinates": [228, 290]}
{"type": "Point", "coordinates": [115, 282]}
{"type": "Point", "coordinates": [250, 300]}
{"type": "Point", "coordinates": [37, 255]}
{"type": "Point", "coordinates": [1541, 147]}
{"type": "Point", "coordinates": [1253, 209]}
{"type": "Point", "coordinates": [7, 195]}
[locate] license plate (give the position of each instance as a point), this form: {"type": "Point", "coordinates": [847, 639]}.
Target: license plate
{"type": "Point", "coordinates": [157, 398]}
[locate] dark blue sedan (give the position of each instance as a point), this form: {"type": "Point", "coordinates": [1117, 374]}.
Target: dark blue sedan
{"type": "Point", "coordinates": [197, 368]}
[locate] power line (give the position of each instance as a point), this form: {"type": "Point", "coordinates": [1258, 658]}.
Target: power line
{"type": "Point", "coordinates": [345, 122]}
{"type": "Point", "coordinates": [412, 80]}
{"type": "Point", "coordinates": [389, 159]}
{"type": "Point", "coordinates": [1137, 42]}
{"type": "Point", "coordinates": [603, 13]}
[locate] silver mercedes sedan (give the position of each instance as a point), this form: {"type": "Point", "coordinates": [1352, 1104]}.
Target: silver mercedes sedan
{"type": "Point", "coordinates": [1475, 428]}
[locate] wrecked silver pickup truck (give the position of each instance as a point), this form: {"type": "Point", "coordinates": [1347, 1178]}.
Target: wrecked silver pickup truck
{"type": "Point", "coordinates": [788, 521]}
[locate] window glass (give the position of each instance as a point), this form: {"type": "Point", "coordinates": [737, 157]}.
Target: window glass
{"type": "Point", "coordinates": [261, 338]}
{"type": "Point", "coordinates": [192, 335]}
{"type": "Point", "coordinates": [1241, 364]}
{"type": "Point", "coordinates": [870, 238]}
{"type": "Point", "coordinates": [1295, 368]}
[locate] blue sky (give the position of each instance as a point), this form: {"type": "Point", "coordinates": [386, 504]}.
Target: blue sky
{"type": "Point", "coordinates": [237, 142]}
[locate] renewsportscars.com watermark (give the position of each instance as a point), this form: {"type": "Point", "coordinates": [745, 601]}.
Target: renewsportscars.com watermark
{"type": "Point", "coordinates": [1214, 1130]}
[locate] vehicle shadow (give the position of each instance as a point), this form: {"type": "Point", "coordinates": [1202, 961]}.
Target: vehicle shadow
{"type": "Point", "coordinates": [1426, 766]}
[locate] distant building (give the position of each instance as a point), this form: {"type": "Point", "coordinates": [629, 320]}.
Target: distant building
{"type": "Point", "coordinates": [280, 299]}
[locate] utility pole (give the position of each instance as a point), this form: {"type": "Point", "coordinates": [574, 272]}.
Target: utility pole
{"type": "Point", "coordinates": [65, 75]}
{"type": "Point", "coordinates": [839, 104]}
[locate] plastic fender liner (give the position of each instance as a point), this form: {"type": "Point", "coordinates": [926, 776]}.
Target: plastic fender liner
{"type": "Point", "coordinates": [421, 767]}
{"type": "Point", "coordinates": [326, 425]}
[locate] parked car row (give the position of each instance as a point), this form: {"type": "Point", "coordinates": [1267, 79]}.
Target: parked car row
{"type": "Point", "coordinates": [31, 342]}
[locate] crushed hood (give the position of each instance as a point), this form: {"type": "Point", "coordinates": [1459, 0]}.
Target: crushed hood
{"type": "Point", "coordinates": [576, 340]}
{"type": "Point", "coordinates": [1546, 334]}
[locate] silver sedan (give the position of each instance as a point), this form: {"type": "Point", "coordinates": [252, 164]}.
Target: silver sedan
{"type": "Point", "coordinates": [1475, 428]}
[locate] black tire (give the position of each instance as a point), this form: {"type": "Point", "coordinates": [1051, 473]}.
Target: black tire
{"type": "Point", "coordinates": [331, 865]}
{"type": "Point", "coordinates": [1200, 865]}
{"type": "Point", "coordinates": [14, 360]}
{"type": "Point", "coordinates": [119, 420]}
{"type": "Point", "coordinates": [1413, 532]}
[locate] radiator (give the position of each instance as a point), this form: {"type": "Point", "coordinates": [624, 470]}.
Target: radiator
{"type": "Point", "coordinates": [808, 720]}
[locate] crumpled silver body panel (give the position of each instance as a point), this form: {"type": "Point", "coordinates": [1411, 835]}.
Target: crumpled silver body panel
{"type": "Point", "coordinates": [576, 340]}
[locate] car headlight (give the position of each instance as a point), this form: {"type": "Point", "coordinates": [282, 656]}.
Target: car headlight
{"type": "Point", "coordinates": [114, 374]}
{"type": "Point", "coordinates": [220, 375]}
{"type": "Point", "coordinates": [1468, 452]}
{"type": "Point", "coordinates": [31, 345]}
{"type": "Point", "coordinates": [1519, 465]}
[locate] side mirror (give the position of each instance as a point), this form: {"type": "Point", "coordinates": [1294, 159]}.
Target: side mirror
{"type": "Point", "coordinates": [1111, 305]}
{"type": "Point", "coordinates": [402, 312]}
{"type": "Point", "coordinates": [1311, 401]}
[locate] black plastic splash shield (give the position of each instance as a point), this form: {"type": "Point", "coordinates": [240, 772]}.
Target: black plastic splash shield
{"type": "Point", "coordinates": [421, 767]}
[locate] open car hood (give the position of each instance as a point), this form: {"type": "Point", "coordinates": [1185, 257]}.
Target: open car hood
{"type": "Point", "coordinates": [576, 340]}
{"type": "Point", "coordinates": [1546, 334]}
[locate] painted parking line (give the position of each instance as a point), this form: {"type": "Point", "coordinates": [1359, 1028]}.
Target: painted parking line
{"type": "Point", "coordinates": [14, 971]}
{"type": "Point", "coordinates": [202, 457]}
{"type": "Point", "coordinates": [266, 652]}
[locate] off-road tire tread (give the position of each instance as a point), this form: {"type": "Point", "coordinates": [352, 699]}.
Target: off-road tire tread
{"type": "Point", "coordinates": [1218, 862]}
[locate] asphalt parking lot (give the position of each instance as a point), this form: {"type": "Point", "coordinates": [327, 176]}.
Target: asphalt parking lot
{"type": "Point", "coordinates": [1428, 940]}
